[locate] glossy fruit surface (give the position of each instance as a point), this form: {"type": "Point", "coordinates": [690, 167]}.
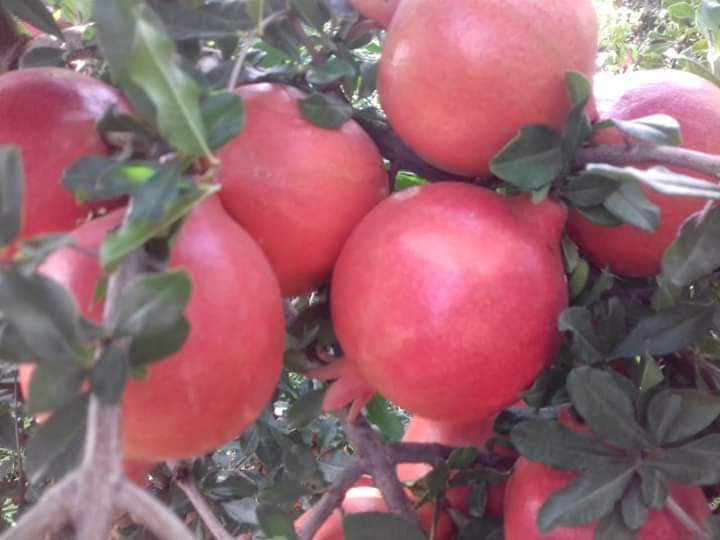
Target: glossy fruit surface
{"type": "Point", "coordinates": [531, 484]}
{"type": "Point", "coordinates": [51, 115]}
{"type": "Point", "coordinates": [298, 189]}
{"type": "Point", "coordinates": [477, 433]}
{"type": "Point", "coordinates": [447, 295]}
{"type": "Point", "coordinates": [370, 499]}
{"type": "Point", "coordinates": [381, 11]}
{"type": "Point", "coordinates": [695, 104]}
{"type": "Point", "coordinates": [458, 79]}
{"type": "Point", "coordinates": [219, 382]}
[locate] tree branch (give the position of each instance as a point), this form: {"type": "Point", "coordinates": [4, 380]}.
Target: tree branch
{"type": "Point", "coordinates": [622, 155]}
{"type": "Point", "coordinates": [679, 513]}
{"type": "Point", "coordinates": [146, 510]}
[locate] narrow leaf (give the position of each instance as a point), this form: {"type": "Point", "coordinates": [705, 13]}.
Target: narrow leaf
{"type": "Point", "coordinates": [656, 129]}
{"type": "Point", "coordinates": [152, 347]}
{"type": "Point", "coordinates": [110, 375]}
{"type": "Point", "coordinates": [11, 194]}
{"type": "Point", "coordinates": [663, 411]}
{"type": "Point", "coordinates": [54, 386]}
{"type": "Point", "coordinates": [36, 13]}
{"type": "Point", "coordinates": [699, 410]}
{"type": "Point", "coordinates": [324, 111]}
{"type": "Point", "coordinates": [630, 205]}
{"type": "Point", "coordinates": [274, 522]}
{"type": "Point", "coordinates": [695, 463]}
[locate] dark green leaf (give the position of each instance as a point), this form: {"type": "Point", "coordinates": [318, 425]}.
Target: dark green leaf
{"type": "Point", "coordinates": [694, 463]}
{"type": "Point", "coordinates": [699, 410]}
{"type": "Point", "coordinates": [634, 509]}
{"type": "Point", "coordinates": [606, 407]}
{"type": "Point", "coordinates": [532, 160]}
{"type": "Point", "coordinates": [224, 117]}
{"type": "Point", "coordinates": [375, 525]}
{"type": "Point", "coordinates": [436, 481]}
{"type": "Point", "coordinates": [695, 253]}
{"type": "Point", "coordinates": [142, 56]}
{"type": "Point", "coordinates": [283, 492]}
{"type": "Point", "coordinates": [551, 443]}
{"type": "Point", "coordinates": [8, 428]}
{"type": "Point", "coordinates": [332, 70]}
{"type": "Point", "coordinates": [599, 215]}
{"type": "Point", "coordinates": [54, 386]}
{"type": "Point", "coordinates": [650, 373]}
{"type": "Point", "coordinates": [656, 129]}
{"type": "Point", "coordinates": [11, 194]}
{"type": "Point", "coordinates": [653, 487]}
{"type": "Point", "coordinates": [667, 331]}
{"type": "Point", "coordinates": [98, 178]}
{"type": "Point", "coordinates": [477, 529]}
{"type": "Point", "coordinates": [36, 13]}
{"type": "Point", "coordinates": [32, 253]}
{"type": "Point", "coordinates": [233, 487]}
{"type": "Point", "coordinates": [663, 412]}
{"type": "Point", "coordinates": [612, 527]}
{"type": "Point", "coordinates": [43, 57]}
{"type": "Point", "coordinates": [630, 205]}
{"type": "Point", "coordinates": [306, 409]}
{"type": "Point", "coordinates": [579, 279]}
{"type": "Point", "coordinates": [155, 196]}
{"type": "Point", "coordinates": [312, 12]}
{"type": "Point", "coordinates": [324, 111]}
{"type": "Point", "coordinates": [150, 304]}
{"type": "Point", "coordinates": [579, 87]}
{"type": "Point", "coordinates": [381, 414]}
{"type": "Point", "coordinates": [211, 21]}
{"type": "Point", "coordinates": [43, 315]}
{"type": "Point", "coordinates": [274, 522]}
{"type": "Point", "coordinates": [592, 496]}
{"type": "Point", "coordinates": [462, 458]}
{"type": "Point", "coordinates": [149, 348]}
{"type": "Point", "coordinates": [368, 83]}
{"type": "Point", "coordinates": [588, 190]}
{"type": "Point", "coordinates": [299, 462]}
{"type": "Point", "coordinates": [578, 321]}
{"type": "Point", "coordinates": [56, 446]}
{"type": "Point", "coordinates": [110, 375]}
{"type": "Point", "coordinates": [576, 131]}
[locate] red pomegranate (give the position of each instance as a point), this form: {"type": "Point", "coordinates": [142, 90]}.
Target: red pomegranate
{"type": "Point", "coordinates": [380, 11]}
{"type": "Point", "coordinates": [446, 298]}
{"type": "Point", "coordinates": [369, 499]}
{"type": "Point", "coordinates": [531, 484]}
{"type": "Point", "coordinates": [458, 79]}
{"type": "Point", "coordinates": [298, 189]}
{"type": "Point", "coordinates": [477, 433]}
{"type": "Point", "coordinates": [51, 115]}
{"type": "Point", "coordinates": [695, 103]}
{"type": "Point", "coordinates": [217, 385]}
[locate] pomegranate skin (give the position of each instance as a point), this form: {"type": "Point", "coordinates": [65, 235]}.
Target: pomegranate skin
{"type": "Point", "coordinates": [298, 189]}
{"type": "Point", "coordinates": [531, 484]}
{"type": "Point", "coordinates": [695, 103]}
{"type": "Point", "coordinates": [380, 11]}
{"type": "Point", "coordinates": [214, 387]}
{"type": "Point", "coordinates": [51, 115]}
{"type": "Point", "coordinates": [458, 79]}
{"type": "Point", "coordinates": [446, 297]}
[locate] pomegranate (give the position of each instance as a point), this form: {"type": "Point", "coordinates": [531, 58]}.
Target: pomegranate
{"type": "Point", "coordinates": [298, 189]}
{"type": "Point", "coordinates": [380, 11]}
{"type": "Point", "coordinates": [458, 79]}
{"type": "Point", "coordinates": [51, 115]}
{"type": "Point", "coordinates": [216, 386]}
{"type": "Point", "coordinates": [695, 103]}
{"type": "Point", "coordinates": [446, 298]}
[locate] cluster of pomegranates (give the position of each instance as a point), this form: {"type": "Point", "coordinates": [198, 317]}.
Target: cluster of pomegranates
{"type": "Point", "coordinates": [444, 297]}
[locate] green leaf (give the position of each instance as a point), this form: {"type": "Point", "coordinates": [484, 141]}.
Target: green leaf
{"type": "Point", "coordinates": [699, 411]}
{"type": "Point", "coordinates": [110, 375]}
{"type": "Point", "coordinates": [11, 194]}
{"type": "Point", "coordinates": [613, 527]}
{"type": "Point", "coordinates": [591, 497]}
{"type": "Point", "coordinates": [142, 57]}
{"type": "Point", "coordinates": [224, 117]}
{"type": "Point", "coordinates": [32, 253]}
{"type": "Point", "coordinates": [681, 10]}
{"type": "Point", "coordinates": [462, 458]}
{"type": "Point", "coordinates": [155, 196]}
{"type": "Point", "coordinates": [325, 111]}
{"type": "Point", "coordinates": [532, 160]}
{"type": "Point", "coordinates": [228, 488]}
{"type": "Point", "coordinates": [312, 12]}
{"type": "Point", "coordinates": [299, 462]}
{"type": "Point", "coordinates": [606, 407]}
{"type": "Point", "coordinates": [695, 463]}
{"type": "Point", "coordinates": [579, 87]}
{"type": "Point", "coordinates": [656, 129]}
{"type": "Point", "coordinates": [54, 386]}
{"type": "Point", "coordinates": [306, 408]}
{"type": "Point", "coordinates": [668, 331]}
{"type": "Point", "coordinates": [553, 444]}
{"type": "Point", "coordinates": [274, 522]}
{"type": "Point", "coordinates": [95, 178]}
{"type": "Point", "coordinates": [654, 487]}
{"type": "Point", "coordinates": [332, 70]}
{"type": "Point", "coordinates": [150, 304]}
{"type": "Point", "coordinates": [579, 322]}
{"type": "Point", "coordinates": [630, 205]}
{"type": "Point", "coordinates": [695, 253]}
{"type": "Point", "coordinates": [375, 525]}
{"type": "Point", "coordinates": [133, 235]}
{"type": "Point", "coordinates": [43, 315]}
{"type": "Point", "coordinates": [588, 190]}
{"type": "Point", "coordinates": [663, 411]}
{"type": "Point", "coordinates": [36, 13]}
{"type": "Point", "coordinates": [634, 509]}
{"type": "Point", "coordinates": [56, 446]}
{"type": "Point", "coordinates": [381, 414]}
{"type": "Point", "coordinates": [213, 21]}
{"type": "Point", "coordinates": [148, 348]}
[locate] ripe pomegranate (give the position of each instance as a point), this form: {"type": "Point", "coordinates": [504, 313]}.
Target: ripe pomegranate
{"type": "Point", "coordinates": [531, 484]}
{"type": "Point", "coordinates": [51, 115]}
{"type": "Point", "coordinates": [369, 499]}
{"type": "Point", "coordinates": [211, 390]}
{"type": "Point", "coordinates": [458, 79]}
{"type": "Point", "coordinates": [137, 471]}
{"type": "Point", "coordinates": [446, 297]}
{"type": "Point", "coordinates": [477, 433]}
{"type": "Point", "coordinates": [298, 189]}
{"type": "Point", "coordinates": [695, 103]}
{"type": "Point", "coordinates": [380, 11]}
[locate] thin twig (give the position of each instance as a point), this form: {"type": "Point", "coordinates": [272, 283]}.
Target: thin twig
{"type": "Point", "coordinates": [679, 513]}
{"type": "Point", "coordinates": [151, 513]}
{"type": "Point", "coordinates": [622, 155]}
{"type": "Point", "coordinates": [187, 485]}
